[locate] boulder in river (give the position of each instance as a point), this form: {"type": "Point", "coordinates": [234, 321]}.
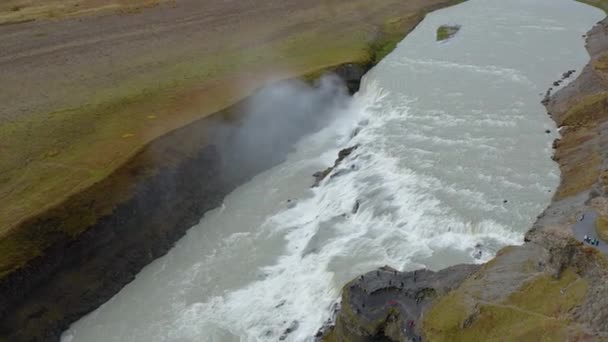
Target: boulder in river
{"type": "Point", "coordinates": [445, 32]}
{"type": "Point", "coordinates": [321, 175]}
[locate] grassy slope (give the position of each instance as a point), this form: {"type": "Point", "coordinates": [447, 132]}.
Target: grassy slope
{"type": "Point", "coordinates": [533, 313]}
{"type": "Point", "coordinates": [17, 11]}
{"type": "Point", "coordinates": [70, 149]}
{"type": "Point", "coordinates": [601, 4]}
{"type": "Point", "coordinates": [509, 299]}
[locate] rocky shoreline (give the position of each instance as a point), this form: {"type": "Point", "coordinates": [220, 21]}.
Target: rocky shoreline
{"type": "Point", "coordinates": [552, 287]}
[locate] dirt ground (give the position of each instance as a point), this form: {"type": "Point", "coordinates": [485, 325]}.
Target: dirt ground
{"type": "Point", "coordinates": [19, 11]}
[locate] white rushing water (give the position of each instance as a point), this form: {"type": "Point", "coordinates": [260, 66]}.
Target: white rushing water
{"type": "Point", "coordinates": [446, 132]}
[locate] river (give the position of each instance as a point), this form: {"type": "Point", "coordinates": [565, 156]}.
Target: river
{"type": "Point", "coordinates": [453, 160]}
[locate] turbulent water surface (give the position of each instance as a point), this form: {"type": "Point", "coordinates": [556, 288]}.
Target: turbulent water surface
{"type": "Point", "coordinates": [453, 159]}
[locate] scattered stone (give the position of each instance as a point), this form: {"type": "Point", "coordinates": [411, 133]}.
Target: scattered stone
{"type": "Point", "coordinates": [292, 327]}
{"type": "Point", "coordinates": [356, 207]}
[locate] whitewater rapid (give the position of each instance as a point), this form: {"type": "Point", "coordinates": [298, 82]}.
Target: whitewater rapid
{"type": "Point", "coordinates": [453, 159]}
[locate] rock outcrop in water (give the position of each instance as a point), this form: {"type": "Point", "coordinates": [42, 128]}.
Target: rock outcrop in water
{"type": "Point", "coordinates": [445, 32]}
{"type": "Point", "coordinates": [321, 175]}
{"type": "Point", "coordinates": [553, 287]}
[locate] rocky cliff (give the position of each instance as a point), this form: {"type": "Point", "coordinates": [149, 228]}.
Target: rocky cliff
{"type": "Point", "coordinates": [550, 288]}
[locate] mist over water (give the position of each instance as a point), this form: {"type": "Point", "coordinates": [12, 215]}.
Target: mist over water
{"type": "Point", "coordinates": [276, 117]}
{"type": "Point", "coordinates": [453, 158]}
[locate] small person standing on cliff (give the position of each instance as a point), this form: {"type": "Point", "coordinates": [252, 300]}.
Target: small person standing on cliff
{"type": "Point", "coordinates": [410, 325]}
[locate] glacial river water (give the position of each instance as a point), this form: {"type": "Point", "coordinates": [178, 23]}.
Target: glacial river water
{"type": "Point", "coordinates": [453, 159]}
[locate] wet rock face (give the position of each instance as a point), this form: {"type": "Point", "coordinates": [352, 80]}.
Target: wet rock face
{"type": "Point", "coordinates": [387, 305]}
{"type": "Point", "coordinates": [351, 74]}
{"type": "Point", "coordinates": [321, 175]}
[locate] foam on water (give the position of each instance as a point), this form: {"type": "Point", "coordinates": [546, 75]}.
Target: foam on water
{"type": "Point", "coordinates": [452, 158]}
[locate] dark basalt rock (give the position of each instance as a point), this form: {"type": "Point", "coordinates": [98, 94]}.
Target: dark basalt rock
{"type": "Point", "coordinates": [351, 74]}
{"type": "Point", "coordinates": [321, 175]}
{"type": "Point", "coordinates": [356, 207]}
{"type": "Point", "coordinates": [387, 305]}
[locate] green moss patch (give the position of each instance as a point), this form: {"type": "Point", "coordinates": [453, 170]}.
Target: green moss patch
{"type": "Point", "coordinates": [445, 32]}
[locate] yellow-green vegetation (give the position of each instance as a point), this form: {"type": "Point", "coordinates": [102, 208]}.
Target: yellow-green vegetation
{"type": "Point", "coordinates": [548, 296]}
{"type": "Point", "coordinates": [17, 11]}
{"type": "Point", "coordinates": [580, 162]}
{"type": "Point", "coordinates": [601, 4]}
{"type": "Point", "coordinates": [391, 35]}
{"type": "Point", "coordinates": [446, 32]}
{"type": "Point", "coordinates": [601, 226]}
{"type": "Point", "coordinates": [601, 64]}
{"type": "Point", "coordinates": [536, 312]}
{"type": "Point", "coordinates": [604, 180]}
{"type": "Point", "coordinates": [117, 123]}
{"type": "Point", "coordinates": [588, 110]}
{"type": "Point", "coordinates": [445, 317]}
{"type": "Point", "coordinates": [578, 151]}
{"type": "Point", "coordinates": [51, 155]}
{"type": "Point", "coordinates": [329, 336]}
